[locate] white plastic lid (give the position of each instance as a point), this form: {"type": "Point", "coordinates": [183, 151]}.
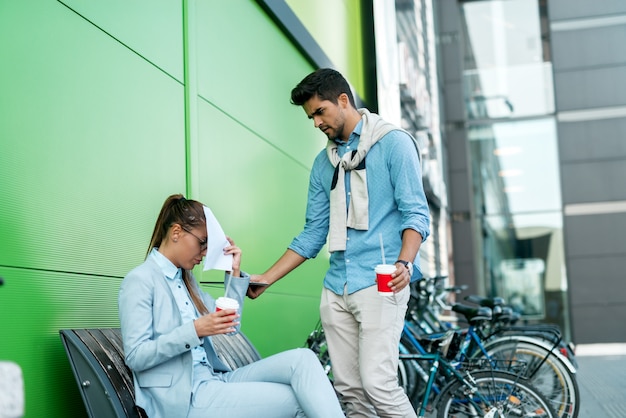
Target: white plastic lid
{"type": "Point", "coordinates": [226, 303]}
{"type": "Point", "coordinates": [385, 268]}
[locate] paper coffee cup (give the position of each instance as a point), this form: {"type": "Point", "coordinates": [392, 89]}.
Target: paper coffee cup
{"type": "Point", "coordinates": [383, 277]}
{"type": "Point", "coordinates": [223, 303]}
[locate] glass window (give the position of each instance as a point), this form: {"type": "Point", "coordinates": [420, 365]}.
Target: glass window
{"type": "Point", "coordinates": [508, 88]}
{"type": "Point", "coordinates": [526, 262]}
{"type": "Point", "coordinates": [507, 69]}
{"type": "Point", "coordinates": [515, 166]}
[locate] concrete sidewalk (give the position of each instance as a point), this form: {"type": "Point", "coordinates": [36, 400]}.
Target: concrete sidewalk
{"type": "Point", "coordinates": [601, 379]}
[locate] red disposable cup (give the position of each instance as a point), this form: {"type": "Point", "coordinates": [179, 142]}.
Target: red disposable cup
{"type": "Point", "coordinates": [224, 303]}
{"type": "Point", "coordinates": [383, 277]}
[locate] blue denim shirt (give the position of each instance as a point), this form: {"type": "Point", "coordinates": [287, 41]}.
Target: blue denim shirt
{"type": "Point", "coordinates": [396, 202]}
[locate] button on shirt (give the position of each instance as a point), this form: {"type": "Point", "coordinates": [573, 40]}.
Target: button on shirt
{"type": "Point", "coordinates": [396, 202]}
{"type": "Point", "coordinates": [185, 305]}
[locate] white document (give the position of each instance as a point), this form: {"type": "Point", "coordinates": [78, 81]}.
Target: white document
{"type": "Point", "coordinates": [216, 242]}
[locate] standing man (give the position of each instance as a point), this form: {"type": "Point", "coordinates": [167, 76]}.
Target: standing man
{"type": "Point", "coordinates": [365, 189]}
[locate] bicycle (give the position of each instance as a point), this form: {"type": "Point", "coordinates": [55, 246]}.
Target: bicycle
{"type": "Point", "coordinates": [410, 372]}
{"type": "Point", "coordinates": [479, 392]}
{"type": "Point", "coordinates": [547, 369]}
{"type": "Point", "coordinates": [492, 393]}
{"type": "Point", "coordinates": [429, 301]}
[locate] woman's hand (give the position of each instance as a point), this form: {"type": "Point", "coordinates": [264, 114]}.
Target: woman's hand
{"type": "Point", "coordinates": [220, 322]}
{"type": "Point", "coordinates": [236, 252]}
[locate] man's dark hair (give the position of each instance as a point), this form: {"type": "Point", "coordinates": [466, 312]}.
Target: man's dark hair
{"type": "Point", "coordinates": [326, 83]}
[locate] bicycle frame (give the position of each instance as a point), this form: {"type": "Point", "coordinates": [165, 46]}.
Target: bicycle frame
{"type": "Point", "coordinates": [480, 342]}
{"type": "Point", "coordinates": [437, 363]}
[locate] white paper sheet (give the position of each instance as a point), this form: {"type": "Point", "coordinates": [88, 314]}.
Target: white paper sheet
{"type": "Point", "coordinates": [215, 258]}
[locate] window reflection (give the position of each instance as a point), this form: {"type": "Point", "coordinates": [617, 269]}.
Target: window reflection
{"type": "Point", "coordinates": [507, 63]}
{"type": "Point", "coordinates": [526, 262]}
{"type": "Point", "coordinates": [508, 92]}
{"type": "Point", "coordinates": [515, 166]}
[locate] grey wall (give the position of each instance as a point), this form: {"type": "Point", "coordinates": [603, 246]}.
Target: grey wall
{"type": "Point", "coordinates": [589, 58]}
{"type": "Point", "coordinates": [588, 39]}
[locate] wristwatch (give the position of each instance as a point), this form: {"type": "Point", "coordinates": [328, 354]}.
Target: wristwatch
{"type": "Point", "coordinates": [409, 266]}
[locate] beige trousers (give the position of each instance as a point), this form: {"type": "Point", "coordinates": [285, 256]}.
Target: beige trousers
{"type": "Point", "coordinates": [363, 331]}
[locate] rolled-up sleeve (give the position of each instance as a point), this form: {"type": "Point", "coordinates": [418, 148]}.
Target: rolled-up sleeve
{"type": "Point", "coordinates": [313, 237]}
{"type": "Point", "coordinates": [405, 172]}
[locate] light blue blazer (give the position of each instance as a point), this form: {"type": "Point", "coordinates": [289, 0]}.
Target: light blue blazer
{"type": "Point", "coordinates": [157, 345]}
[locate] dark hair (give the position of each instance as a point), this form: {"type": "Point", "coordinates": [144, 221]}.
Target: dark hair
{"type": "Point", "coordinates": [176, 210]}
{"type": "Point", "coordinates": [326, 83]}
{"type": "Point", "coordinates": [188, 214]}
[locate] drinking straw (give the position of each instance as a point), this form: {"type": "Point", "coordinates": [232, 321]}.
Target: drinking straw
{"type": "Point", "coordinates": [230, 279]}
{"type": "Point", "coordinates": [382, 247]}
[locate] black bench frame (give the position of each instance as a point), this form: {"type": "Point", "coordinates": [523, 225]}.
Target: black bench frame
{"type": "Point", "coordinates": [106, 383]}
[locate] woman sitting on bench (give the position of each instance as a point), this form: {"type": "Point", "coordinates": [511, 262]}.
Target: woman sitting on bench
{"type": "Point", "coordinates": [167, 322]}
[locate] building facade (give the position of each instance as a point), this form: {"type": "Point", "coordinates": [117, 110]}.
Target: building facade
{"type": "Point", "coordinates": [107, 107]}
{"type": "Point", "coordinates": [534, 126]}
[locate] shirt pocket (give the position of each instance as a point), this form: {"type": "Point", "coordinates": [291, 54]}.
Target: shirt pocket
{"type": "Point", "coordinates": [155, 380]}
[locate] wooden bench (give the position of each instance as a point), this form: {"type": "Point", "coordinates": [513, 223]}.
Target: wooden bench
{"type": "Point", "coordinates": [106, 383]}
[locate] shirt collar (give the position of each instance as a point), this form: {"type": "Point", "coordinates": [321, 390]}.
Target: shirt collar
{"type": "Point", "coordinates": [167, 267]}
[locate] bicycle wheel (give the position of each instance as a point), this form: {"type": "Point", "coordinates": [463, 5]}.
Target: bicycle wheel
{"type": "Point", "coordinates": [493, 394]}
{"type": "Point", "coordinates": [407, 375]}
{"type": "Point", "coordinates": [544, 370]}
{"type": "Point", "coordinates": [419, 371]}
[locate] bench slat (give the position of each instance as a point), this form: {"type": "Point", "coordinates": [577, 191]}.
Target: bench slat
{"type": "Point", "coordinates": [97, 355]}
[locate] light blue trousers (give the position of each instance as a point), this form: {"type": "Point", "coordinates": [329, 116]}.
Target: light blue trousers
{"type": "Point", "coordinates": [288, 384]}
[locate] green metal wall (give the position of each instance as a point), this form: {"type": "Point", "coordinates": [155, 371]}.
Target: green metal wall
{"type": "Point", "coordinates": [344, 17]}
{"type": "Point", "coordinates": [106, 108]}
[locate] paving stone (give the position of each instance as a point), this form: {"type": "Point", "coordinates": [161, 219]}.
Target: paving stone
{"type": "Point", "coordinates": [601, 380]}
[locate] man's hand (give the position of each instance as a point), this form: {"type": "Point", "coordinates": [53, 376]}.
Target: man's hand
{"type": "Point", "coordinates": [285, 264]}
{"type": "Point", "coordinates": [255, 290]}
{"type": "Point", "coordinates": [401, 278]}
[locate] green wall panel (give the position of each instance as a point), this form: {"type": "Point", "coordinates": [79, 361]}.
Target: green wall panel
{"type": "Point", "coordinates": [255, 153]}
{"type": "Point", "coordinates": [34, 306]}
{"type": "Point", "coordinates": [257, 193]}
{"type": "Point", "coordinates": [86, 127]}
{"type": "Point", "coordinates": [249, 75]}
{"type": "Point", "coordinates": [343, 44]}
{"type": "Point", "coordinates": [259, 196]}
{"type": "Point", "coordinates": [92, 140]}
{"type": "Point", "coordinates": [151, 28]}
{"type": "Point", "coordinates": [278, 320]}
